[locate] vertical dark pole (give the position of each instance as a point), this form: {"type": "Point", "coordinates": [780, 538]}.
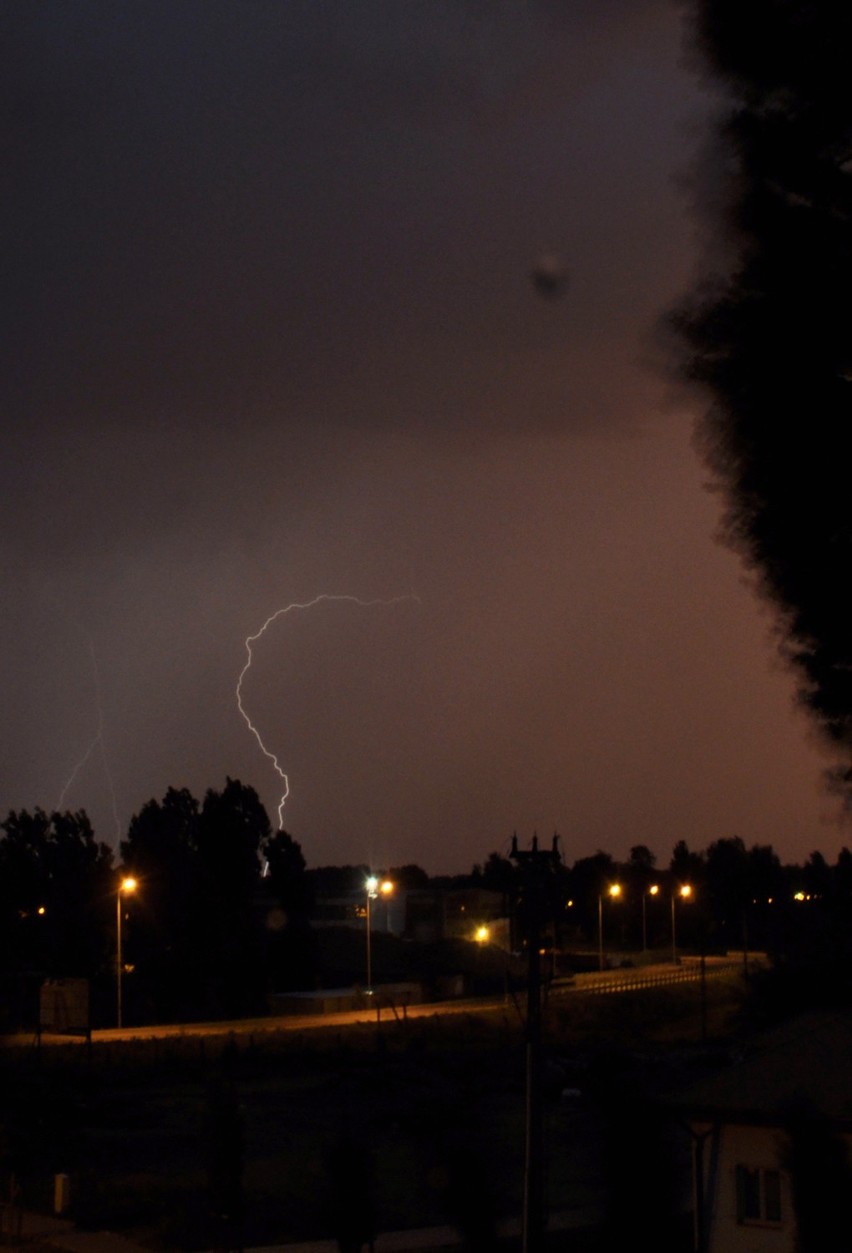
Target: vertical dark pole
{"type": "Point", "coordinates": [703, 998]}
{"type": "Point", "coordinates": [118, 958]}
{"type": "Point", "coordinates": [534, 865]}
{"type": "Point", "coordinates": [533, 1187]}
{"type": "Point", "coordinates": [369, 963]}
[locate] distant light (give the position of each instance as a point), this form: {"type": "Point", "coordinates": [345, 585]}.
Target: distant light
{"type": "Point", "coordinates": [128, 885]}
{"type": "Point", "coordinates": [654, 889]}
{"type": "Point", "coordinates": [685, 890]}
{"type": "Point", "coordinates": [482, 935]}
{"type": "Point", "coordinates": [614, 889]}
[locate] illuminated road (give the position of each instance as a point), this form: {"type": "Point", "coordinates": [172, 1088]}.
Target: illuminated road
{"type": "Point", "coordinates": [630, 979]}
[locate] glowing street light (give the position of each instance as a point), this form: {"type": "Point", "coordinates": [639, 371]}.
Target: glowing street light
{"type": "Point", "coordinates": [684, 892]}
{"type": "Point", "coordinates": [614, 892]}
{"type": "Point", "coordinates": [482, 935]}
{"type": "Point", "coordinates": [652, 890]}
{"type": "Point", "coordinates": [375, 887]}
{"type": "Point", "coordinates": [128, 887]}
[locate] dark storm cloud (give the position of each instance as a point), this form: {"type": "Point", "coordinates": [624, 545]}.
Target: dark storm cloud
{"type": "Point", "coordinates": [273, 335]}
{"type": "Point", "coordinates": [218, 211]}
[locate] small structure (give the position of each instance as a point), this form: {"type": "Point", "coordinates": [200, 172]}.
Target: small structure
{"type": "Point", "coordinates": [64, 1007]}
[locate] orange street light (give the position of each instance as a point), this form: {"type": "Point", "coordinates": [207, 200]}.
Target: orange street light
{"type": "Point", "coordinates": [128, 887]}
{"type": "Point", "coordinates": [614, 892]}
{"type": "Point", "coordinates": [652, 890]}
{"type": "Point", "coordinates": [684, 892]}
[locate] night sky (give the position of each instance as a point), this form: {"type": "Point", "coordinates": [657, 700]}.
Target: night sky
{"type": "Point", "coordinates": [270, 336]}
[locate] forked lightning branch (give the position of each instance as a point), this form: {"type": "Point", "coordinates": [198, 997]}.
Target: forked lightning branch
{"type": "Point", "coordinates": [251, 640]}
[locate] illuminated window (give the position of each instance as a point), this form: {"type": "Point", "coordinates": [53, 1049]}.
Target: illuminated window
{"type": "Point", "coordinates": [758, 1195]}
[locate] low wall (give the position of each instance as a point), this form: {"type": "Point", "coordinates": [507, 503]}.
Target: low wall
{"type": "Point", "coordinates": [340, 1000]}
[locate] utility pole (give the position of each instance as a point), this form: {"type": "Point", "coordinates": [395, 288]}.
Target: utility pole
{"type": "Point", "coordinates": [536, 866]}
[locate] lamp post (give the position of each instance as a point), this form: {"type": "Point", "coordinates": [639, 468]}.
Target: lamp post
{"type": "Point", "coordinates": [536, 866]}
{"type": "Point", "coordinates": [613, 891]}
{"type": "Point", "coordinates": [128, 886]}
{"type": "Point", "coordinates": [684, 892]}
{"type": "Point", "coordinates": [653, 890]}
{"type": "Point", "coordinates": [374, 886]}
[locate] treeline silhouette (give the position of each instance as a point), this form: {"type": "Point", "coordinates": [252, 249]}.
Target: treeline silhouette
{"type": "Point", "coordinates": [224, 911]}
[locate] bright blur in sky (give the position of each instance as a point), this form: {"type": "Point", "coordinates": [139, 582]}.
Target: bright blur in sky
{"type": "Point", "coordinates": [273, 338]}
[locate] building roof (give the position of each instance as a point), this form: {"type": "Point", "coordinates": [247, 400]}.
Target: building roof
{"type": "Point", "coordinates": [804, 1064]}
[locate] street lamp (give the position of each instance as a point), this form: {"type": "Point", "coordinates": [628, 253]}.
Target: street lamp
{"type": "Point", "coordinates": [684, 892]}
{"type": "Point", "coordinates": [128, 887]}
{"type": "Point", "coordinates": [653, 890]}
{"type": "Point", "coordinates": [613, 891]}
{"type": "Point", "coordinates": [374, 887]}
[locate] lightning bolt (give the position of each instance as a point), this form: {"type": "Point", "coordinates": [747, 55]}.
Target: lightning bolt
{"type": "Point", "coordinates": [97, 742]}
{"type": "Point", "coordinates": [252, 639]}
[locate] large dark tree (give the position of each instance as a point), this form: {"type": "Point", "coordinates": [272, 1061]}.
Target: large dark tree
{"type": "Point", "coordinates": [56, 886]}
{"type": "Point", "coordinates": [165, 937]}
{"type": "Point", "coordinates": [767, 330]}
{"type": "Point", "coordinates": [233, 828]}
{"type": "Point", "coordinates": [290, 941]}
{"type": "Point", "coordinates": [196, 935]}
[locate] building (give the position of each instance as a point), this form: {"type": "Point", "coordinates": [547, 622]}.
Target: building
{"type": "Point", "coordinates": [771, 1135]}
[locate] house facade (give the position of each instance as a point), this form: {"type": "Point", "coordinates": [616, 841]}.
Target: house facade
{"type": "Point", "coordinates": [753, 1187]}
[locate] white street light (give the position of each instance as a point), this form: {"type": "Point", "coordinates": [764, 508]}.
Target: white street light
{"type": "Point", "coordinates": [374, 887]}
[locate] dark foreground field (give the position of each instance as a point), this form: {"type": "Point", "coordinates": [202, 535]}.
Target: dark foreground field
{"type": "Point", "coordinates": [197, 1144]}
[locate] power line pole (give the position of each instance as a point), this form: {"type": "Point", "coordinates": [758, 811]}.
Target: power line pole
{"type": "Point", "coordinates": [536, 867]}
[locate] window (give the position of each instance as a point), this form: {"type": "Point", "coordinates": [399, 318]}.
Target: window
{"type": "Point", "coordinates": [758, 1195]}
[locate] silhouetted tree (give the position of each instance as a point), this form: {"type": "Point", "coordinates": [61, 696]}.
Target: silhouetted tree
{"type": "Point", "coordinates": [332, 881]}
{"type": "Point", "coordinates": [587, 879]}
{"type": "Point", "coordinates": [79, 904]}
{"type": "Point", "coordinates": [284, 871]}
{"type": "Point", "coordinates": [409, 877]}
{"type": "Point", "coordinates": [166, 938]}
{"type": "Point", "coordinates": [843, 875]}
{"type": "Point", "coordinates": [728, 889]}
{"type": "Point", "coordinates": [55, 893]}
{"type": "Point", "coordinates": [767, 331]}
{"type": "Point", "coordinates": [817, 876]}
{"type": "Point", "coordinates": [232, 830]}
{"type": "Point", "coordinates": [290, 940]}
{"type": "Point", "coordinates": [686, 866]}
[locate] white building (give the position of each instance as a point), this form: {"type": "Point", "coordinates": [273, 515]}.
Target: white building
{"type": "Point", "coordinates": [747, 1120]}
